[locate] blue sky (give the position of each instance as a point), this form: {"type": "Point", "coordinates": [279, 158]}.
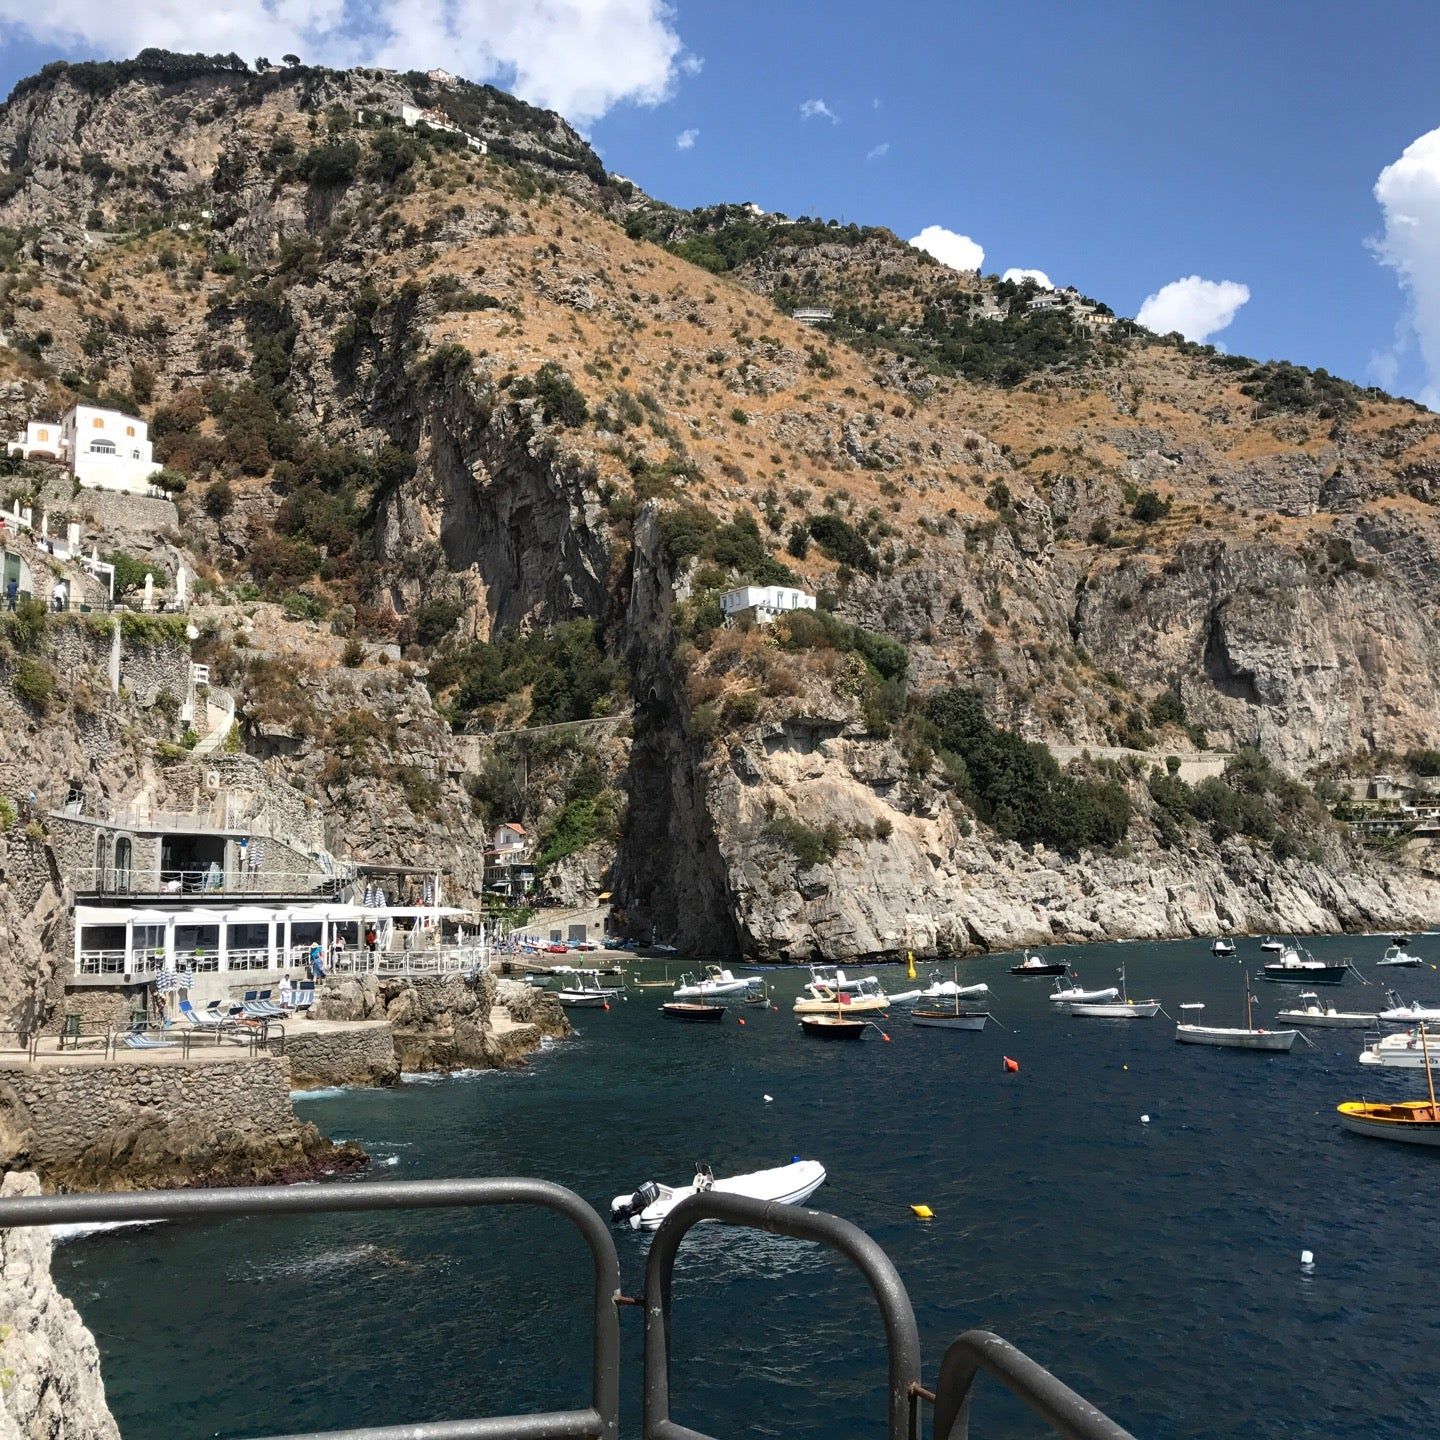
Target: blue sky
{"type": "Point", "coordinates": [1118, 147]}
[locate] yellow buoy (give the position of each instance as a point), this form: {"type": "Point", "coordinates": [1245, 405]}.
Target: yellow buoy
{"type": "Point", "coordinates": [923, 1212]}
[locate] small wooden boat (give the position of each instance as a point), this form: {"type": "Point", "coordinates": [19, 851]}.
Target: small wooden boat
{"type": "Point", "coordinates": [695, 1012]}
{"type": "Point", "coordinates": [758, 997]}
{"type": "Point", "coordinates": [833, 1027]}
{"type": "Point", "coordinates": [1412, 1122]}
{"type": "Point", "coordinates": [1300, 967]}
{"type": "Point", "coordinates": [666, 984]}
{"type": "Point", "coordinates": [1036, 964]}
{"type": "Point", "coordinates": [1122, 1009]}
{"type": "Point", "coordinates": [955, 1019]}
{"type": "Point", "coordinates": [1189, 1033]}
{"type": "Point", "coordinates": [1317, 1012]}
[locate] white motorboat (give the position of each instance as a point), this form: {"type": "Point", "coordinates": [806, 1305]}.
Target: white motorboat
{"type": "Point", "coordinates": [1227, 1038]}
{"type": "Point", "coordinates": [1222, 947]}
{"type": "Point", "coordinates": [1402, 1051]}
{"type": "Point", "coordinates": [1397, 957]}
{"type": "Point", "coordinates": [1312, 1010]}
{"type": "Point", "coordinates": [1399, 1013]}
{"type": "Point", "coordinates": [939, 989]}
{"type": "Point", "coordinates": [790, 1184]}
{"type": "Point", "coordinates": [1272, 947]}
{"type": "Point", "coordinates": [1123, 1008]}
{"type": "Point", "coordinates": [1074, 995]}
{"type": "Point", "coordinates": [821, 999]}
{"type": "Point", "coordinates": [715, 981]}
{"type": "Point", "coordinates": [586, 993]}
{"type": "Point", "coordinates": [1299, 967]}
{"type": "Point", "coordinates": [836, 979]}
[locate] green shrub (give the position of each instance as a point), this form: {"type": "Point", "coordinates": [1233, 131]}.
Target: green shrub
{"type": "Point", "coordinates": [560, 399]}
{"type": "Point", "coordinates": [1149, 507]}
{"type": "Point", "coordinates": [1016, 787]}
{"type": "Point", "coordinates": [435, 619]}
{"type": "Point", "coordinates": [24, 626]}
{"type": "Point", "coordinates": [337, 162]}
{"type": "Point", "coordinates": [34, 683]}
{"type": "Point", "coordinates": [808, 845]}
{"type": "Point", "coordinates": [843, 543]}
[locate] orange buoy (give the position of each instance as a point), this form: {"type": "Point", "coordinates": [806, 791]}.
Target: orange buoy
{"type": "Point", "coordinates": [1012, 1067]}
{"type": "Point", "coordinates": [740, 1018]}
{"type": "Point", "coordinates": [607, 1005]}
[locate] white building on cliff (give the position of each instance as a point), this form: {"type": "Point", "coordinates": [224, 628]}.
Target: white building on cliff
{"type": "Point", "coordinates": [104, 449]}
{"type": "Point", "coordinates": [764, 603]}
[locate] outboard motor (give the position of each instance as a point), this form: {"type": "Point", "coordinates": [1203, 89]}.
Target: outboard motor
{"type": "Point", "coordinates": [642, 1199]}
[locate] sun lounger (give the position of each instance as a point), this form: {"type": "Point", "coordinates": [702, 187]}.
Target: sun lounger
{"type": "Point", "coordinates": [137, 1040]}
{"type": "Point", "coordinates": [205, 1019]}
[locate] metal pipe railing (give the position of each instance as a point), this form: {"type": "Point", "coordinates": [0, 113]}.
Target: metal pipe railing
{"type": "Point", "coordinates": [901, 1334]}
{"type": "Point", "coordinates": [599, 1422]}
{"type": "Point", "coordinates": [1069, 1414]}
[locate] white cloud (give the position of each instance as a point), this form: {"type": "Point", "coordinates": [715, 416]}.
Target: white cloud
{"type": "Point", "coordinates": [580, 57]}
{"type": "Point", "coordinates": [686, 139]}
{"type": "Point", "coordinates": [959, 252]}
{"type": "Point", "coordinates": [1196, 308]}
{"type": "Point", "coordinates": [818, 110]}
{"type": "Point", "coordinates": [878, 152]}
{"type": "Point", "coordinates": [1408, 192]}
{"type": "Point", "coordinates": [1020, 276]}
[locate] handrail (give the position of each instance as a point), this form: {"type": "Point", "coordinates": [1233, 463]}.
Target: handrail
{"type": "Point", "coordinates": [599, 1422]}
{"type": "Point", "coordinates": [1069, 1414]}
{"type": "Point", "coordinates": [901, 1334]}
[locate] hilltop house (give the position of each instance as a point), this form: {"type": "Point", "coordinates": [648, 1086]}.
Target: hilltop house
{"type": "Point", "coordinates": [104, 449]}
{"type": "Point", "coordinates": [763, 603]}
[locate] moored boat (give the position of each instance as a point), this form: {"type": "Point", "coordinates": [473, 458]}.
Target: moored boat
{"type": "Point", "coordinates": [1399, 1012]}
{"type": "Point", "coordinates": [586, 993]}
{"type": "Point", "coordinates": [694, 1012]}
{"type": "Point", "coordinates": [1314, 1011]}
{"type": "Point", "coordinates": [1187, 1032]}
{"type": "Point", "coordinates": [825, 1000]}
{"type": "Point", "coordinates": [1074, 995]}
{"type": "Point", "coordinates": [1412, 1122]}
{"type": "Point", "coordinates": [1271, 946]}
{"type": "Point", "coordinates": [715, 981]}
{"type": "Point", "coordinates": [790, 1184]}
{"type": "Point", "coordinates": [1402, 1051]}
{"type": "Point", "coordinates": [1300, 967]}
{"type": "Point", "coordinates": [955, 1019]}
{"type": "Point", "coordinates": [834, 1027]}
{"type": "Point", "coordinates": [1035, 963]}
{"type": "Point", "coordinates": [1397, 957]}
{"type": "Point", "coordinates": [1222, 947]}
{"type": "Point", "coordinates": [1123, 1008]}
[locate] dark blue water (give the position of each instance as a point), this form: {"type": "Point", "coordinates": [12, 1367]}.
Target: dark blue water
{"type": "Point", "coordinates": [1154, 1266]}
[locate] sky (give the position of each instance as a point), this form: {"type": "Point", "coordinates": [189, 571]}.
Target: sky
{"type": "Point", "coordinates": [1265, 177]}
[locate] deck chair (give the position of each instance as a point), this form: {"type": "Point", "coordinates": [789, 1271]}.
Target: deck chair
{"type": "Point", "coordinates": [137, 1040]}
{"type": "Point", "coordinates": [204, 1019]}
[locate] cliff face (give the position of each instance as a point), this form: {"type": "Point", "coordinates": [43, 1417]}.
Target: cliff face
{"type": "Point", "coordinates": [426, 398]}
{"type": "Point", "coordinates": [53, 1389]}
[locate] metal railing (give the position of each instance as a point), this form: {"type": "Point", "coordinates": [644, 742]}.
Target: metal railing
{"type": "Point", "coordinates": [1069, 1414]}
{"type": "Point", "coordinates": [202, 881]}
{"type": "Point", "coordinates": [601, 1421]}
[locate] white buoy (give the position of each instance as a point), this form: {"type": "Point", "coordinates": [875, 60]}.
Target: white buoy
{"type": "Point", "coordinates": [1144, 1119]}
{"type": "Point", "coordinates": [1307, 1259]}
{"type": "Point", "coordinates": [769, 1099]}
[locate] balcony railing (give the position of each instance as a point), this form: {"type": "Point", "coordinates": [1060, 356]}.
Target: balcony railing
{"type": "Point", "coordinates": [202, 881]}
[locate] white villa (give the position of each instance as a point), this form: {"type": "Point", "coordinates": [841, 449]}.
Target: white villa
{"type": "Point", "coordinates": [413, 115]}
{"type": "Point", "coordinates": [764, 603]}
{"type": "Point", "coordinates": [105, 449]}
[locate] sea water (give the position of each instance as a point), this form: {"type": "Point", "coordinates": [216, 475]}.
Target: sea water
{"type": "Point", "coordinates": [1155, 1267]}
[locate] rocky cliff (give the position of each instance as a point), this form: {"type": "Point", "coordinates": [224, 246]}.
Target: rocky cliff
{"type": "Point", "coordinates": [466, 439]}
{"type": "Point", "coordinates": [52, 1389]}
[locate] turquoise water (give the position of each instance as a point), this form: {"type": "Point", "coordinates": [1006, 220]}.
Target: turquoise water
{"type": "Point", "coordinates": [1154, 1266]}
